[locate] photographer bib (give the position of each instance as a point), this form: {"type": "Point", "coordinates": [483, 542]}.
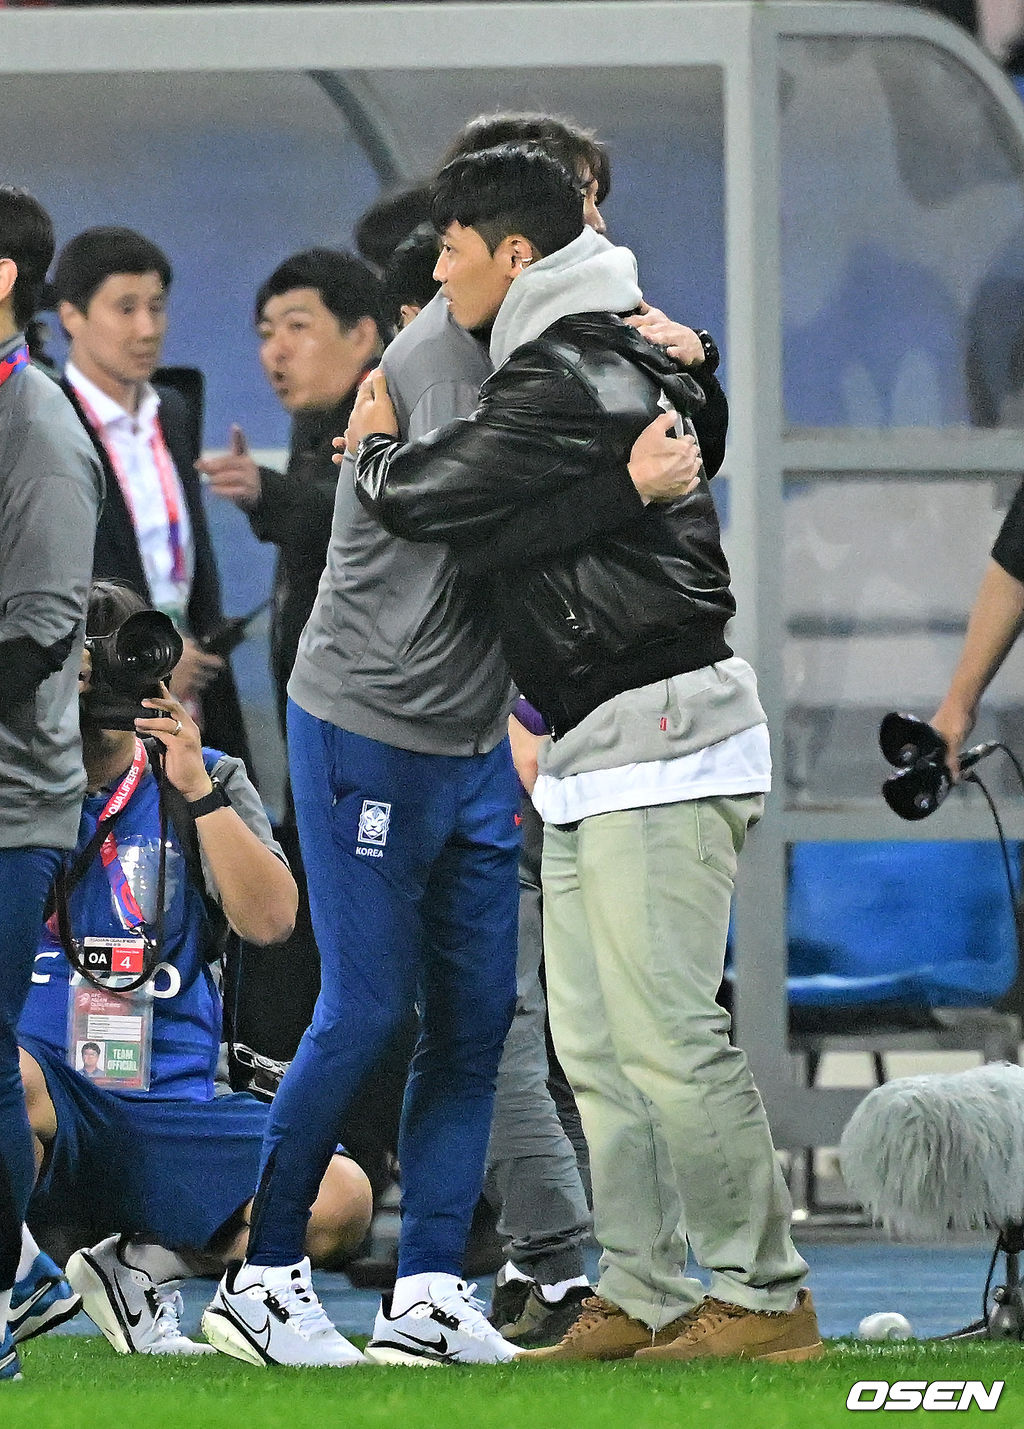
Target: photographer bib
{"type": "Point", "coordinates": [185, 1027]}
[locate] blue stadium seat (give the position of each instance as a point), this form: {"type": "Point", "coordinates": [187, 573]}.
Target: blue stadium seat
{"type": "Point", "coordinates": [920, 924]}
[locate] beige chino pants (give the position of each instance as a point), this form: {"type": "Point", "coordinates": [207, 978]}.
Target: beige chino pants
{"type": "Point", "coordinates": [636, 912]}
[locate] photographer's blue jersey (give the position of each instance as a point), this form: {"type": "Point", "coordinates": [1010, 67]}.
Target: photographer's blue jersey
{"type": "Point", "coordinates": [187, 1005]}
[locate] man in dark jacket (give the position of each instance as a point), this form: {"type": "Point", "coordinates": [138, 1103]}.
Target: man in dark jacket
{"type": "Point", "coordinates": [50, 487]}
{"type": "Point", "coordinates": [320, 322]}
{"type": "Point", "coordinates": [110, 286]}
{"type": "Point", "coordinates": [615, 630]}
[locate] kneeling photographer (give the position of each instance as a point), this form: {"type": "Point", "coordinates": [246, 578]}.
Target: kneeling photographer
{"type": "Point", "coordinates": [122, 1029]}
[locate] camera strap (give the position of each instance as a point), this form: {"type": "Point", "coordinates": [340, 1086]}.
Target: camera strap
{"type": "Point", "coordinates": [104, 843]}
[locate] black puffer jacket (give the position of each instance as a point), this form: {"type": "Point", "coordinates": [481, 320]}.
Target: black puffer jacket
{"type": "Point", "coordinates": [595, 593]}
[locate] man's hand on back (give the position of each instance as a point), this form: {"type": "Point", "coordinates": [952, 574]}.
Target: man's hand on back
{"type": "Point", "coordinates": [664, 467]}
{"type": "Point", "coordinates": [373, 412]}
{"type": "Point", "coordinates": [679, 342]}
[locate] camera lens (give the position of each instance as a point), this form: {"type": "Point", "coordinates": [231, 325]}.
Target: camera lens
{"type": "Point", "coordinates": [146, 649]}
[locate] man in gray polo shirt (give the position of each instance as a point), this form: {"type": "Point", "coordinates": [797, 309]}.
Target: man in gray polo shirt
{"type": "Point", "coordinates": [50, 489]}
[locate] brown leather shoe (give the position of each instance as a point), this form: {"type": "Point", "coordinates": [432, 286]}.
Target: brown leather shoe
{"type": "Point", "coordinates": [603, 1332]}
{"type": "Point", "coordinates": [719, 1329]}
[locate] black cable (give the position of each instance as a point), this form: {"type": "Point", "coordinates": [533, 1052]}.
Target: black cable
{"type": "Point", "coordinates": [973, 778]}
{"type": "Point", "coordinates": [988, 1283]}
{"type": "Point", "coordinates": [1013, 760]}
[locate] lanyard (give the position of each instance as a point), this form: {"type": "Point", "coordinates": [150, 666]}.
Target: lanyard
{"type": "Point", "coordinates": [128, 910]}
{"type": "Point", "coordinates": [10, 365]}
{"type": "Point", "coordinates": [166, 475]}
{"type": "Point", "coordinates": [125, 902]}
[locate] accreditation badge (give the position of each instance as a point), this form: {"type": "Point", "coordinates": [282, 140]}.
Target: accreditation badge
{"type": "Point", "coordinates": [110, 1032]}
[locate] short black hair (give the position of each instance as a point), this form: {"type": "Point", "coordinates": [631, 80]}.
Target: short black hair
{"type": "Point", "coordinates": [389, 220]}
{"type": "Point", "coordinates": [576, 147]}
{"type": "Point", "coordinates": [347, 287]}
{"type": "Point", "coordinates": [26, 237]}
{"type": "Point", "coordinates": [409, 276]}
{"type": "Point", "coordinates": [90, 258]}
{"type": "Point", "coordinates": [517, 188]}
{"type": "Point", "coordinates": [91, 1047]}
{"type": "Point", "coordinates": [111, 602]}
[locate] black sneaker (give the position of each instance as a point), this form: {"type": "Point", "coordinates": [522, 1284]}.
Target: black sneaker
{"type": "Point", "coordinates": [508, 1303]}
{"type": "Point", "coordinates": [541, 1323]}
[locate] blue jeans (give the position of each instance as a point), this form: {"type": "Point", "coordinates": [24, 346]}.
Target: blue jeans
{"type": "Point", "coordinates": [411, 862]}
{"type": "Point", "coordinates": [25, 878]}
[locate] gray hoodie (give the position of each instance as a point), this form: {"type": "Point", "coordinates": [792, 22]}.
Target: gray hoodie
{"type": "Point", "coordinates": [50, 489]}
{"type": "Point", "coordinates": [588, 275]}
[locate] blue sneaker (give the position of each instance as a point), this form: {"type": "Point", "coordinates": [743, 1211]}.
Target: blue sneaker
{"type": "Point", "coordinates": [41, 1301]}
{"type": "Point", "coordinates": [10, 1367]}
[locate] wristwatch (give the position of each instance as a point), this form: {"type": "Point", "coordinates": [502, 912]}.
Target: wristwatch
{"type": "Point", "coordinates": [712, 357]}
{"type": "Point", "coordinates": [216, 799]}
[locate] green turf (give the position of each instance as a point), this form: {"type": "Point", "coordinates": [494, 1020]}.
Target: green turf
{"type": "Point", "coordinates": [76, 1383]}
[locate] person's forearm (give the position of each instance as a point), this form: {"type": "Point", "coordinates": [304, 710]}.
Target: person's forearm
{"type": "Point", "coordinates": [995, 621]}
{"type": "Point", "coordinates": [257, 891]}
{"type": "Point", "coordinates": [711, 424]}
{"type": "Point", "coordinates": [24, 665]}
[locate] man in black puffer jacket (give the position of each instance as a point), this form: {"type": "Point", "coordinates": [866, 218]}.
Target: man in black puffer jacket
{"type": "Point", "coordinates": [612, 615]}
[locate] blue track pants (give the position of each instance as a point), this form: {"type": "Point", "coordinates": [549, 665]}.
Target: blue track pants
{"type": "Point", "coordinates": [411, 862]}
{"type": "Point", "coordinates": [25, 878]}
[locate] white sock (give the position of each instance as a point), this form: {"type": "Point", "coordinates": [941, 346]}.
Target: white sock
{"type": "Point", "coordinates": [29, 1251]}
{"type": "Point", "coordinates": [411, 1288]}
{"type": "Point", "coordinates": [5, 1305]}
{"type": "Point", "coordinates": [510, 1272]}
{"type": "Point", "coordinates": [156, 1261]}
{"type": "Point", "coordinates": [272, 1276]}
{"type": "Point", "coordinates": [551, 1294]}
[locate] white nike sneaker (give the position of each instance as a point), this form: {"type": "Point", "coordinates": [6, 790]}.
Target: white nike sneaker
{"type": "Point", "coordinates": [448, 1327]}
{"type": "Point", "coordinates": [138, 1315]}
{"type": "Point", "coordinates": [270, 1314]}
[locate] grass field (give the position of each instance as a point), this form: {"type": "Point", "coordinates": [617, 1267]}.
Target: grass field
{"type": "Point", "coordinates": [76, 1383]}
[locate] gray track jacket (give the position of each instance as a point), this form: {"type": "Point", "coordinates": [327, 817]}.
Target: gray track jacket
{"type": "Point", "coordinates": [396, 648]}
{"type": "Point", "coordinates": [50, 490]}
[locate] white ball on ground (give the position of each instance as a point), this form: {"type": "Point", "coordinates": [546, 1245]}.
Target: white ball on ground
{"type": "Point", "coordinates": [886, 1325]}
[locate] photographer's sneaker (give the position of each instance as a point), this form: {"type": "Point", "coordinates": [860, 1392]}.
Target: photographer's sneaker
{"type": "Point", "coordinates": [543, 1322]}
{"type": "Point", "coordinates": [41, 1301]}
{"type": "Point", "coordinates": [10, 1366]}
{"type": "Point", "coordinates": [446, 1326]}
{"type": "Point", "coordinates": [270, 1314]}
{"type": "Point", "coordinates": [718, 1330]}
{"type": "Point", "coordinates": [509, 1300]}
{"type": "Point", "coordinates": [137, 1314]}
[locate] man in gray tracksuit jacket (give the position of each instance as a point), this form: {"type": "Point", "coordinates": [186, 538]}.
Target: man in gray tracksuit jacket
{"type": "Point", "coordinates": [50, 488]}
{"type": "Point", "coordinates": [435, 370]}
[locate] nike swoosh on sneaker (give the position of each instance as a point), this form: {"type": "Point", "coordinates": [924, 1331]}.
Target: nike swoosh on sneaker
{"type": "Point", "coordinates": [260, 1336]}
{"type": "Point", "coordinates": [122, 1304]}
{"type": "Point", "coordinates": [15, 1316]}
{"type": "Point", "coordinates": [440, 1345]}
